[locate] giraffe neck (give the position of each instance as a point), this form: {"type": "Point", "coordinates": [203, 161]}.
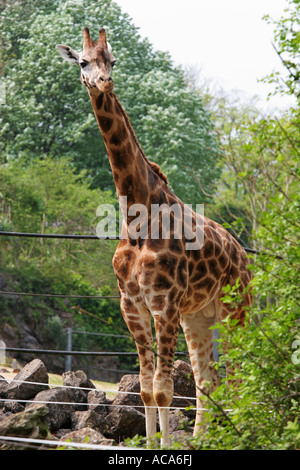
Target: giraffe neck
{"type": "Point", "coordinates": [134, 176]}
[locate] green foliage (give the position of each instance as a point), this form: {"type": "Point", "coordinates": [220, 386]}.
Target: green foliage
{"type": "Point", "coordinates": [48, 196]}
{"type": "Point", "coordinates": [48, 113]}
{"type": "Point", "coordinates": [287, 43]}
{"type": "Point", "coordinates": [261, 158]}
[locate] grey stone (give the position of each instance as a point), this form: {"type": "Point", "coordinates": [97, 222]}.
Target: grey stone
{"type": "Point", "coordinates": [130, 393]}
{"type": "Point", "coordinates": [59, 414]}
{"type": "Point", "coordinates": [31, 423]}
{"type": "Point", "coordinates": [84, 419]}
{"type": "Point", "coordinates": [97, 401]}
{"type": "Point", "coordinates": [184, 386]}
{"type": "Point", "coordinates": [3, 387]}
{"type": "Point", "coordinates": [125, 423]}
{"type": "Point", "coordinates": [78, 379]}
{"type": "Point", "coordinates": [34, 371]}
{"type": "Point", "coordinates": [91, 436]}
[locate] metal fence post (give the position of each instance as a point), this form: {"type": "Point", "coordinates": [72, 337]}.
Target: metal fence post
{"type": "Point", "coordinates": [68, 359]}
{"type": "Point", "coordinates": [2, 352]}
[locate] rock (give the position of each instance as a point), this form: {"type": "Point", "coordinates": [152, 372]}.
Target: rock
{"type": "Point", "coordinates": [131, 385]}
{"type": "Point", "coordinates": [178, 421]}
{"type": "Point", "coordinates": [84, 419]}
{"type": "Point", "coordinates": [3, 386]}
{"type": "Point", "coordinates": [12, 407]}
{"type": "Point", "coordinates": [2, 414]}
{"type": "Point", "coordinates": [124, 423]}
{"type": "Point", "coordinates": [59, 414]}
{"type": "Point", "coordinates": [78, 379]}
{"type": "Point", "coordinates": [60, 434]}
{"type": "Point", "coordinates": [91, 436]}
{"type": "Point", "coordinates": [30, 423]}
{"type": "Point", "coordinates": [34, 371]}
{"type": "Point", "coordinates": [184, 386]}
{"type": "Point", "coordinates": [97, 401]}
{"type": "Point", "coordinates": [79, 406]}
{"type": "Point", "coordinates": [9, 335]}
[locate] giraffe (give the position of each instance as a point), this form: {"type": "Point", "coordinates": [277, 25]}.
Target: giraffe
{"type": "Point", "coordinates": [158, 277]}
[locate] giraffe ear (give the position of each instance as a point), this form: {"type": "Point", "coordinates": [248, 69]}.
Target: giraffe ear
{"type": "Point", "coordinates": [68, 53]}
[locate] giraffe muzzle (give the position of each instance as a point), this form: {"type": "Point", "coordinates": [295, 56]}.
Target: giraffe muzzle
{"type": "Point", "coordinates": [104, 84]}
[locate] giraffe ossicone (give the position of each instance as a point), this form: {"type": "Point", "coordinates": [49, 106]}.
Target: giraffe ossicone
{"type": "Point", "coordinates": [160, 278]}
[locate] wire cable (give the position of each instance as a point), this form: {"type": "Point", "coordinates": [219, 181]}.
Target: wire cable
{"type": "Point", "coordinates": [75, 296]}
{"type": "Point", "coordinates": [79, 237]}
{"type": "Point", "coordinates": [73, 387]}
{"type": "Point", "coordinates": [61, 443]}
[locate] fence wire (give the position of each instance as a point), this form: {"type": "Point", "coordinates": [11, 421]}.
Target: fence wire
{"type": "Point", "coordinates": [62, 444]}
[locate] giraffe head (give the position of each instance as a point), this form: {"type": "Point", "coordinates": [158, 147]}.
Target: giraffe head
{"type": "Point", "coordinates": [96, 62]}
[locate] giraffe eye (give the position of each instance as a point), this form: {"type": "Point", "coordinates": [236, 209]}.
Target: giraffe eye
{"type": "Point", "coordinates": [83, 64]}
{"type": "Point", "coordinates": [113, 63]}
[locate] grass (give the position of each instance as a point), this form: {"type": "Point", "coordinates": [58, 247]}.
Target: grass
{"type": "Point", "coordinates": [56, 379]}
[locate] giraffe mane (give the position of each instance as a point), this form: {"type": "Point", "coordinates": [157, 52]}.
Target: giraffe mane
{"type": "Point", "coordinates": [154, 167]}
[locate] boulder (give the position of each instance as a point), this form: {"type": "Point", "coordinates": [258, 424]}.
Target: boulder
{"type": "Point", "coordinates": [59, 416]}
{"type": "Point", "coordinates": [91, 436]}
{"type": "Point", "coordinates": [125, 423]}
{"type": "Point", "coordinates": [31, 423]}
{"type": "Point", "coordinates": [3, 387]}
{"type": "Point", "coordinates": [129, 395]}
{"type": "Point", "coordinates": [79, 380]}
{"type": "Point", "coordinates": [84, 419]}
{"type": "Point", "coordinates": [35, 371]}
{"type": "Point", "coordinates": [12, 407]}
{"type": "Point", "coordinates": [184, 386]}
{"type": "Point", "coordinates": [97, 401]}
{"type": "Point", "coordinates": [178, 421]}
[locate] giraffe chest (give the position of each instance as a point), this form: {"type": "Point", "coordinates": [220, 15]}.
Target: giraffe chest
{"type": "Point", "coordinates": [149, 277]}
{"type": "Point", "coordinates": [155, 279]}
{"type": "Point", "coordinates": [125, 267]}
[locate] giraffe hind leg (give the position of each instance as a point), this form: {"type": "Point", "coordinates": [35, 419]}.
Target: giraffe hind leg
{"type": "Point", "coordinates": [199, 338]}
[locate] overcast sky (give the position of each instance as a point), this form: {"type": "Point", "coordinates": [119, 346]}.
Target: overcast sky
{"type": "Point", "coordinates": [226, 39]}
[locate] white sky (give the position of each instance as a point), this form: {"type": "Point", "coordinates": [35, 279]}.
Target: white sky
{"type": "Point", "coordinates": [226, 39]}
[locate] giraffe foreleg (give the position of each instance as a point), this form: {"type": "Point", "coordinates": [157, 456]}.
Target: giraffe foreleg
{"type": "Point", "coordinates": [139, 324]}
{"type": "Point", "coordinates": [166, 329]}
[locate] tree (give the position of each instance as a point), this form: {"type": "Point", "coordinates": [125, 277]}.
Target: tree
{"type": "Point", "coordinates": [48, 196]}
{"type": "Point", "coordinates": [47, 111]}
{"type": "Point", "coordinates": [286, 45]}
{"type": "Point", "coordinates": [264, 405]}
